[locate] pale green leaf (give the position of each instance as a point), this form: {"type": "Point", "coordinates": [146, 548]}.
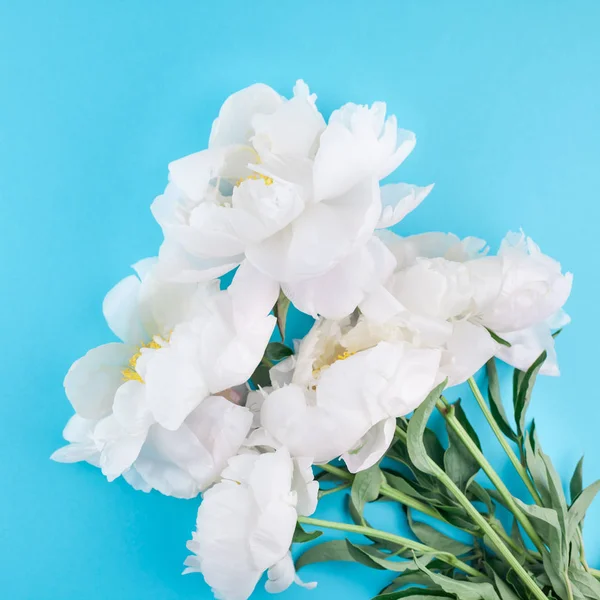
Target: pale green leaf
{"type": "Point", "coordinates": [495, 399]}
{"type": "Point", "coordinates": [365, 487]}
{"type": "Point", "coordinates": [505, 591]}
{"type": "Point", "coordinates": [465, 590]}
{"type": "Point", "coordinates": [576, 485]}
{"type": "Point", "coordinates": [334, 550]}
{"type": "Point", "coordinates": [525, 387]}
{"type": "Point", "coordinates": [280, 311]}
{"type": "Point", "coordinates": [416, 428]}
{"type": "Point", "coordinates": [578, 509]}
{"type": "Point", "coordinates": [301, 536]}
{"type": "Point", "coordinates": [414, 594]}
{"type": "Point", "coordinates": [432, 537]}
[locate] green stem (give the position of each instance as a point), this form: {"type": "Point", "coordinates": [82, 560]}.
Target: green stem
{"type": "Point", "coordinates": [595, 573]}
{"type": "Point", "coordinates": [401, 433]}
{"type": "Point", "coordinates": [494, 538]}
{"type": "Point", "coordinates": [497, 527]}
{"type": "Point", "coordinates": [504, 442]}
{"type": "Point", "coordinates": [337, 471]}
{"type": "Point", "coordinates": [466, 439]}
{"type": "Point", "coordinates": [388, 491]}
{"type": "Point", "coordinates": [446, 557]}
{"type": "Point", "coordinates": [333, 490]}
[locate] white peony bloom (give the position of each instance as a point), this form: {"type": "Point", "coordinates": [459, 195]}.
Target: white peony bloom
{"type": "Point", "coordinates": [178, 463]}
{"type": "Point", "coordinates": [533, 287]}
{"type": "Point", "coordinates": [246, 522]}
{"type": "Point", "coordinates": [159, 402]}
{"type": "Point", "coordinates": [346, 389]}
{"type": "Point", "coordinates": [449, 295]}
{"type": "Point", "coordinates": [295, 197]}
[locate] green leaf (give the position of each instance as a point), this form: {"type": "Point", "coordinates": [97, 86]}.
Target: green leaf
{"type": "Point", "coordinates": [516, 535]}
{"type": "Point", "coordinates": [260, 377]}
{"type": "Point", "coordinates": [399, 483]}
{"type": "Point", "coordinates": [459, 463]}
{"type": "Point", "coordinates": [555, 575]}
{"type": "Point", "coordinates": [525, 387]}
{"type": "Point", "coordinates": [537, 468]}
{"type": "Point", "coordinates": [505, 591]}
{"type": "Point", "coordinates": [434, 448]}
{"type": "Point", "coordinates": [371, 557]}
{"type": "Point", "coordinates": [416, 429]}
{"type": "Point", "coordinates": [495, 399]}
{"type": "Point", "coordinates": [517, 377]}
{"type": "Point", "coordinates": [498, 339]}
{"type": "Point", "coordinates": [408, 578]}
{"type": "Point", "coordinates": [359, 519]}
{"type": "Point", "coordinates": [578, 509]}
{"type": "Point", "coordinates": [334, 550]}
{"type": "Point", "coordinates": [362, 557]}
{"type": "Point", "coordinates": [465, 590]}
{"type": "Point", "coordinates": [280, 311]}
{"type": "Point", "coordinates": [464, 421]}
{"type": "Point", "coordinates": [557, 496]}
{"type": "Point", "coordinates": [576, 485]}
{"type": "Point", "coordinates": [414, 594]}
{"type": "Point", "coordinates": [545, 521]}
{"type": "Point", "coordinates": [432, 537]}
{"type": "Point", "coordinates": [585, 583]}
{"type": "Point", "coordinates": [481, 494]}
{"type": "Point", "coordinates": [301, 536]}
{"type": "Point", "coordinates": [365, 487]}
{"type": "Point", "coordinates": [277, 351]}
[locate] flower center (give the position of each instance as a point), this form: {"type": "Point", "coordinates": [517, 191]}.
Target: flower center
{"type": "Point", "coordinates": [257, 177]}
{"type": "Point", "coordinates": [129, 373]}
{"type": "Point", "coordinates": [325, 362]}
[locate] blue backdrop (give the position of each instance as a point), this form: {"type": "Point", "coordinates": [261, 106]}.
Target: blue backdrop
{"type": "Point", "coordinates": [97, 97]}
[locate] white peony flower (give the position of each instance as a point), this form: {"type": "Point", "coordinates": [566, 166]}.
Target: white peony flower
{"type": "Point", "coordinates": [449, 295]}
{"type": "Point", "coordinates": [345, 392]}
{"type": "Point", "coordinates": [533, 287]}
{"type": "Point", "coordinates": [159, 402]}
{"type": "Point", "coordinates": [295, 197]}
{"type": "Point", "coordinates": [178, 463]}
{"type": "Point", "coordinates": [246, 522]}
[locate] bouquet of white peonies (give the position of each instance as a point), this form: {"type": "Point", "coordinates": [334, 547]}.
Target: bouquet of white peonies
{"type": "Point", "coordinates": [205, 394]}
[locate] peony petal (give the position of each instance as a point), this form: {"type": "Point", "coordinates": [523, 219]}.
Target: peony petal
{"type": "Point", "coordinates": [93, 380]}
{"type": "Point", "coordinates": [234, 123]}
{"type": "Point", "coordinates": [174, 381]}
{"type": "Point", "coordinates": [121, 311]}
{"type": "Point", "coordinates": [526, 346]}
{"type": "Point", "coordinates": [468, 349]}
{"type": "Point", "coordinates": [177, 264]}
{"type": "Point", "coordinates": [293, 129]}
{"type": "Point", "coordinates": [371, 447]}
{"type": "Point", "coordinates": [338, 292]}
{"type": "Point", "coordinates": [119, 448]}
{"type": "Point", "coordinates": [191, 174]}
{"type": "Point", "coordinates": [399, 199]}
{"type": "Point", "coordinates": [253, 294]}
{"type": "Point", "coordinates": [130, 409]}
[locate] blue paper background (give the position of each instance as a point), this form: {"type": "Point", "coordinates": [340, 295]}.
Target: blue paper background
{"type": "Point", "coordinates": [97, 97]}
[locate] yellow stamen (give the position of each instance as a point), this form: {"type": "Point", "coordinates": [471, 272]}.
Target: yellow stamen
{"type": "Point", "coordinates": [129, 373]}
{"type": "Point", "coordinates": [342, 356]}
{"type": "Point", "coordinates": [257, 177]}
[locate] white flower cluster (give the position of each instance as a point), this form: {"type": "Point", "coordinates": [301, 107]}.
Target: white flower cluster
{"type": "Point", "coordinates": [294, 203]}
